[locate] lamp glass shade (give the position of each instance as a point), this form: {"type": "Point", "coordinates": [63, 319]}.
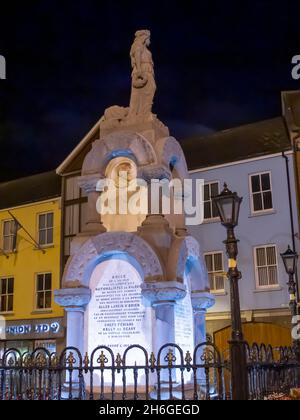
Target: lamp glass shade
{"type": "Point", "coordinates": [290, 259]}
{"type": "Point", "coordinates": [228, 205]}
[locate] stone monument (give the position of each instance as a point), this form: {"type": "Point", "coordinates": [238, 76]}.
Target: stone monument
{"type": "Point", "coordinates": [134, 279]}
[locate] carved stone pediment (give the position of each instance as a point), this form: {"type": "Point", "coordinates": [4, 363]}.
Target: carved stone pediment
{"type": "Point", "coordinates": [126, 144]}
{"type": "Point", "coordinates": [82, 263]}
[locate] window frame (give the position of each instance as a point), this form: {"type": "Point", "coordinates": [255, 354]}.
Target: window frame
{"type": "Point", "coordinates": [212, 253]}
{"type": "Point", "coordinates": [211, 219]}
{"type": "Point", "coordinates": [81, 202]}
{"type": "Point", "coordinates": [44, 291]}
{"type": "Point", "coordinates": [7, 294]}
{"type": "Point", "coordinates": [270, 286]}
{"type": "Point", "coordinates": [263, 211]}
{"type": "Point", "coordinates": [11, 250]}
{"type": "Point", "coordinates": [45, 213]}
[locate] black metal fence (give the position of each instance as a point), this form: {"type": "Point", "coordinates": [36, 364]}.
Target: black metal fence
{"type": "Point", "coordinates": [272, 371]}
{"type": "Point", "coordinates": [172, 374]}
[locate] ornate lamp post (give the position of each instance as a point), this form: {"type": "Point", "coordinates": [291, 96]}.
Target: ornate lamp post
{"type": "Point", "coordinates": [228, 206]}
{"type": "Point", "coordinates": [290, 259]}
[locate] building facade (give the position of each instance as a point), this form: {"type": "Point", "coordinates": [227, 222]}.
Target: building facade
{"type": "Point", "coordinates": [258, 162]}
{"type": "Point", "coordinates": [30, 220]}
{"type": "Point", "coordinates": [291, 115]}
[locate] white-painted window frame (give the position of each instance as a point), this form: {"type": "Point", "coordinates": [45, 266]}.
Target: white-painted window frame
{"type": "Point", "coordinates": [7, 294]}
{"type": "Point", "coordinates": [47, 228]}
{"type": "Point", "coordinates": [269, 286]}
{"type": "Point", "coordinates": [263, 211]}
{"type": "Point", "coordinates": [11, 236]}
{"type": "Point", "coordinates": [211, 219]}
{"type": "Point", "coordinates": [44, 291]}
{"type": "Point", "coordinates": [218, 272]}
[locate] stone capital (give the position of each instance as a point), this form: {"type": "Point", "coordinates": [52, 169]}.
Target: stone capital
{"type": "Point", "coordinates": [89, 182]}
{"type": "Point", "coordinates": [168, 291]}
{"type": "Point", "coordinates": [150, 172]}
{"type": "Point", "coordinates": [201, 301]}
{"type": "Point", "coordinates": [73, 298]}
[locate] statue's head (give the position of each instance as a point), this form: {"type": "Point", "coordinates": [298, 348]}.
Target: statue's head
{"type": "Point", "coordinates": [144, 36]}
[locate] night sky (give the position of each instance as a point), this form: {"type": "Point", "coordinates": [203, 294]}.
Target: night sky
{"type": "Point", "coordinates": [218, 65]}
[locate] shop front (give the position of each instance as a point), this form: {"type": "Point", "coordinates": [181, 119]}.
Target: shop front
{"type": "Point", "coordinates": [27, 335]}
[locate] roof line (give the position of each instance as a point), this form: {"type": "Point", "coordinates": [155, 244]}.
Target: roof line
{"type": "Point", "coordinates": [26, 177]}
{"type": "Point", "coordinates": [78, 148]}
{"type": "Point", "coordinates": [232, 129]}
{"type": "Point", "coordinates": [241, 161]}
{"type": "Point", "coordinates": [31, 203]}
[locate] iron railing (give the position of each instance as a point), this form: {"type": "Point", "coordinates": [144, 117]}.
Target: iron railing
{"type": "Point", "coordinates": [271, 371]}
{"type": "Point", "coordinates": [172, 374]}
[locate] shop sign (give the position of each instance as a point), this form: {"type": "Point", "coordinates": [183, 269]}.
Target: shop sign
{"type": "Point", "coordinates": [34, 329]}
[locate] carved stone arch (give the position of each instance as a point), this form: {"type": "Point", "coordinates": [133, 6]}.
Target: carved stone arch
{"type": "Point", "coordinates": [105, 245]}
{"type": "Point", "coordinates": [171, 153]}
{"type": "Point", "coordinates": [126, 144]}
{"type": "Point", "coordinates": [185, 254]}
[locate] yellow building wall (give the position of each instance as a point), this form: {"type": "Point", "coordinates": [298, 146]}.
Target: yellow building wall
{"type": "Point", "coordinates": [29, 261]}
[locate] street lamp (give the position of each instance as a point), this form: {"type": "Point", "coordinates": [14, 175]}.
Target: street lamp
{"type": "Point", "coordinates": [228, 206]}
{"type": "Point", "coordinates": [290, 258]}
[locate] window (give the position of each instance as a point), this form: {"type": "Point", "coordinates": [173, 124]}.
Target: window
{"type": "Point", "coordinates": [23, 347]}
{"type": "Point", "coordinates": [210, 210]}
{"type": "Point", "coordinates": [50, 345]}
{"type": "Point", "coordinates": [75, 212]}
{"type": "Point", "coordinates": [266, 266]}
{"type": "Point", "coordinates": [44, 291]}
{"type": "Point", "coordinates": [6, 294]}
{"type": "Point", "coordinates": [215, 267]}
{"type": "Point", "coordinates": [261, 191]}
{"type": "Point", "coordinates": [72, 220]}
{"type": "Point", "coordinates": [46, 229]}
{"type": "Point", "coordinates": [9, 236]}
{"type": "Point", "coordinates": [72, 188]}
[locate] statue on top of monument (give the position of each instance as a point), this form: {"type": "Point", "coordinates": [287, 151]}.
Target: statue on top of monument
{"type": "Point", "coordinates": [143, 81]}
{"type": "Point", "coordinates": [143, 86]}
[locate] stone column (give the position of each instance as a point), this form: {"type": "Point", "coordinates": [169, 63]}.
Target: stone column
{"type": "Point", "coordinates": [89, 184]}
{"type": "Point", "coordinates": [74, 301]}
{"type": "Point", "coordinates": [201, 301]}
{"type": "Point", "coordinates": [75, 327]}
{"type": "Point", "coordinates": [163, 297]}
{"type": "Point", "coordinates": [199, 325]}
